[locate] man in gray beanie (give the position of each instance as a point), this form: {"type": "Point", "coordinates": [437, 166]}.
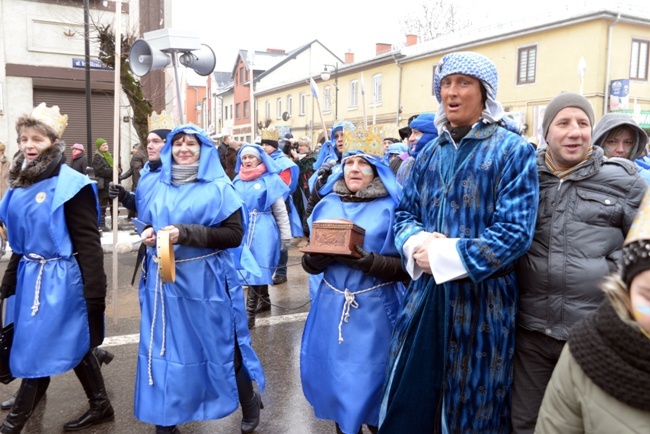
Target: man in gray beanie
{"type": "Point", "coordinates": [587, 204]}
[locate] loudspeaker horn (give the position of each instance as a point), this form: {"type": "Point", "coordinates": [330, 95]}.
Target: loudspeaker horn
{"type": "Point", "coordinates": [143, 58]}
{"type": "Point", "coordinates": [202, 61]}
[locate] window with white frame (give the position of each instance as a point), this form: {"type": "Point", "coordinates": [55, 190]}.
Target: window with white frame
{"type": "Point", "coordinates": [354, 94]}
{"type": "Point", "coordinates": [301, 103]}
{"type": "Point", "coordinates": [246, 109]}
{"type": "Point", "coordinates": [526, 64]}
{"type": "Point", "coordinates": [267, 110]}
{"type": "Point", "coordinates": [278, 107]}
{"type": "Point", "coordinates": [327, 99]}
{"type": "Point", "coordinates": [639, 60]}
{"type": "Point", "coordinates": [376, 89]}
{"type": "Point", "coordinates": [290, 104]}
{"type": "Point", "coordinates": [238, 108]}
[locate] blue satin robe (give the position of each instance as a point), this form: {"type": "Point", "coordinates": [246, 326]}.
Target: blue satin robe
{"type": "Point", "coordinates": [262, 233]}
{"type": "Point", "coordinates": [53, 339]}
{"type": "Point", "coordinates": [284, 163]}
{"type": "Point", "coordinates": [343, 381]}
{"type": "Point", "coordinates": [203, 311]}
{"type": "Point", "coordinates": [453, 346]}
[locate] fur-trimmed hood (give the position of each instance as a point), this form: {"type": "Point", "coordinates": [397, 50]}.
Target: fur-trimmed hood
{"type": "Point", "coordinates": [38, 169]}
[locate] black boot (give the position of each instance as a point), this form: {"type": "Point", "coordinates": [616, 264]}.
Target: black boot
{"type": "Point", "coordinates": [90, 377]}
{"type": "Point", "coordinates": [29, 394]}
{"type": "Point", "coordinates": [103, 357]}
{"type": "Point", "coordinates": [265, 299]}
{"type": "Point", "coordinates": [251, 305]}
{"type": "Point", "coordinates": [167, 429]}
{"type": "Point", "coordinates": [6, 405]}
{"type": "Point", "coordinates": [251, 402]}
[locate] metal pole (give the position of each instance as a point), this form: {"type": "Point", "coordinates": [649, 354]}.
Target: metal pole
{"type": "Point", "coordinates": [178, 87]}
{"type": "Point", "coordinates": [116, 144]}
{"type": "Point", "coordinates": [336, 96]}
{"type": "Point", "coordinates": [89, 134]}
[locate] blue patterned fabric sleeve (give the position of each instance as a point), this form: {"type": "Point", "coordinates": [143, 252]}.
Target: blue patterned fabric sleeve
{"type": "Point", "coordinates": [513, 223]}
{"type": "Point", "coordinates": [407, 214]}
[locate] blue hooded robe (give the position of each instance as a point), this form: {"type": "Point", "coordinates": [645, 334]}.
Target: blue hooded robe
{"type": "Point", "coordinates": [50, 314]}
{"type": "Point", "coordinates": [185, 369]}
{"type": "Point", "coordinates": [262, 233]}
{"type": "Point", "coordinates": [284, 163]}
{"type": "Point", "coordinates": [343, 379]}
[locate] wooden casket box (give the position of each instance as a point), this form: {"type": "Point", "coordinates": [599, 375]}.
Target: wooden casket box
{"type": "Point", "coordinates": [335, 237]}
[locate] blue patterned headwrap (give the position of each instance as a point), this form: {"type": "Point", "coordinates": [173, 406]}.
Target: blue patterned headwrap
{"type": "Point", "coordinates": [424, 123]}
{"type": "Point", "coordinates": [478, 66]}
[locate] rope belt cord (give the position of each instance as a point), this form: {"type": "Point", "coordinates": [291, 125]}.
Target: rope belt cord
{"type": "Point", "coordinates": [253, 220]}
{"type": "Point", "coordinates": [350, 302]}
{"type": "Point", "coordinates": [34, 257]}
{"type": "Point", "coordinates": [159, 289]}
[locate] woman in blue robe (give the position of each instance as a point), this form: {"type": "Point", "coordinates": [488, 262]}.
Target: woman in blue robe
{"type": "Point", "coordinates": [55, 271]}
{"type": "Point", "coordinates": [195, 360]}
{"type": "Point", "coordinates": [263, 192]}
{"type": "Point", "coordinates": [345, 342]}
{"type": "Point", "coordinates": [468, 212]}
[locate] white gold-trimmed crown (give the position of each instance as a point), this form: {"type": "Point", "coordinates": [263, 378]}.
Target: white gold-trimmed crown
{"type": "Point", "coordinates": [161, 121]}
{"type": "Point", "coordinates": [51, 116]}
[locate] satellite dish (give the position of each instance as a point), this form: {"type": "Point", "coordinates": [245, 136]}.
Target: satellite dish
{"type": "Point", "coordinates": [286, 116]}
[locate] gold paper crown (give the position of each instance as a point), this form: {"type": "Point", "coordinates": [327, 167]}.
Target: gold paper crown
{"type": "Point", "coordinates": [161, 121]}
{"type": "Point", "coordinates": [640, 229]}
{"type": "Point", "coordinates": [51, 116]}
{"type": "Point", "coordinates": [359, 139]}
{"type": "Point", "coordinates": [389, 131]}
{"type": "Point", "coordinates": [270, 134]}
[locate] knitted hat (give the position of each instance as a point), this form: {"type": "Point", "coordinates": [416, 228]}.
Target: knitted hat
{"type": "Point", "coordinates": [562, 101]}
{"type": "Point", "coordinates": [99, 142]}
{"type": "Point", "coordinates": [78, 146]}
{"type": "Point", "coordinates": [162, 133]}
{"type": "Point", "coordinates": [250, 150]}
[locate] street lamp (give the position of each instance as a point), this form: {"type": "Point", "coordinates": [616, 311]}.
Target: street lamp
{"type": "Point", "coordinates": [325, 75]}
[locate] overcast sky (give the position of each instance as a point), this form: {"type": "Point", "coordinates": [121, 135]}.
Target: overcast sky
{"type": "Point", "coordinates": [340, 25]}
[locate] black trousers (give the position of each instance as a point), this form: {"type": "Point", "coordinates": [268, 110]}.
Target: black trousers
{"type": "Point", "coordinates": [536, 355]}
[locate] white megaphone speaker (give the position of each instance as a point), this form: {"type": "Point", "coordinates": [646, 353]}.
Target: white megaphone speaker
{"type": "Point", "coordinates": [143, 58]}
{"type": "Point", "coordinates": [202, 61]}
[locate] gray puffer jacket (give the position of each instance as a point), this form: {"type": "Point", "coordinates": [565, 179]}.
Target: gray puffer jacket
{"type": "Point", "coordinates": [582, 222]}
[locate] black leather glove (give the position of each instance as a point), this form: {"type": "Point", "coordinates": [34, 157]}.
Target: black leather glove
{"type": "Point", "coordinates": [363, 263]}
{"type": "Point", "coordinates": [325, 171]}
{"type": "Point", "coordinates": [96, 308]}
{"type": "Point", "coordinates": [117, 191]}
{"type": "Point", "coordinates": [314, 263]}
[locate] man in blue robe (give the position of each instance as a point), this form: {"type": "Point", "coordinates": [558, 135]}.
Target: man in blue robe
{"type": "Point", "coordinates": [467, 213]}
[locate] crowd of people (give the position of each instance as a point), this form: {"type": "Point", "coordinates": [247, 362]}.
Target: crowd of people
{"type": "Point", "coordinates": [499, 287]}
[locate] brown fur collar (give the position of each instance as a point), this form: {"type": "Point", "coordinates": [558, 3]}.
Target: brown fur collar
{"type": "Point", "coordinates": [371, 191]}
{"type": "Point", "coordinates": [46, 162]}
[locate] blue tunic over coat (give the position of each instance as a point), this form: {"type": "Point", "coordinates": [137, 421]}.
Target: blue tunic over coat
{"type": "Point", "coordinates": [185, 368]}
{"type": "Point", "coordinates": [50, 316]}
{"type": "Point", "coordinates": [343, 380]}
{"type": "Point", "coordinates": [284, 163]}
{"type": "Point", "coordinates": [453, 345]}
{"type": "Point", "coordinates": [262, 233]}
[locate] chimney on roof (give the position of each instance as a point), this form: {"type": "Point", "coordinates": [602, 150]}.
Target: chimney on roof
{"type": "Point", "coordinates": [381, 48]}
{"type": "Point", "coordinates": [411, 40]}
{"type": "Point", "coordinates": [275, 50]}
{"type": "Point", "coordinates": [349, 57]}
